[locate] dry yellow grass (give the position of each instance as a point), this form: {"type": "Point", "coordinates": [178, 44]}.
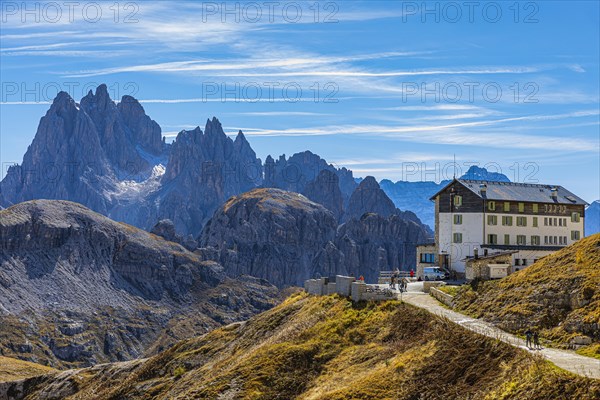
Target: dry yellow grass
{"type": "Point", "coordinates": [559, 295]}
{"type": "Point", "coordinates": [330, 348]}
{"type": "Point", "coordinates": [12, 369]}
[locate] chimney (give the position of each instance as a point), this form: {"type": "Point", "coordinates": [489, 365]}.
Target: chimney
{"type": "Point", "coordinates": [483, 189]}
{"type": "Point", "coordinates": [554, 193]}
{"type": "Point", "coordinates": [475, 253]}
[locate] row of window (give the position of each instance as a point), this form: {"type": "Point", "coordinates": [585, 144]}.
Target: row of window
{"type": "Point", "coordinates": [522, 239]}
{"type": "Point", "coordinates": [507, 220]}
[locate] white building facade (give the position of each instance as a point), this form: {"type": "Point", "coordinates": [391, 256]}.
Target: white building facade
{"type": "Point", "coordinates": [478, 218]}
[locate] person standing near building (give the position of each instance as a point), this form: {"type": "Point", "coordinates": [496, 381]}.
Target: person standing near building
{"type": "Point", "coordinates": [412, 273]}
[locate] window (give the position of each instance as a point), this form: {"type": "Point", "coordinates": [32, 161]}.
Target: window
{"type": "Point", "coordinates": [524, 261]}
{"type": "Point", "coordinates": [492, 220]}
{"type": "Point", "coordinates": [574, 235]}
{"type": "Point", "coordinates": [457, 219]}
{"type": "Point", "coordinates": [457, 238]}
{"type": "Point", "coordinates": [535, 222]}
{"type": "Point", "coordinates": [521, 240]}
{"type": "Point", "coordinates": [507, 221]}
{"type": "Point", "coordinates": [545, 239]}
{"type": "Point", "coordinates": [565, 239]}
{"type": "Point", "coordinates": [492, 205]}
{"type": "Point", "coordinates": [517, 261]}
{"type": "Point", "coordinates": [564, 222]}
{"type": "Point", "coordinates": [458, 200]}
{"type": "Point", "coordinates": [535, 207]}
{"type": "Point", "coordinates": [506, 240]}
{"type": "Point", "coordinates": [545, 221]}
{"type": "Point", "coordinates": [535, 240]}
{"type": "Point", "coordinates": [521, 221]}
{"type": "Point", "coordinates": [506, 206]}
{"type": "Point", "coordinates": [555, 221]}
{"type": "Point", "coordinates": [492, 239]}
{"type": "Point", "coordinates": [521, 207]}
{"type": "Point", "coordinates": [575, 217]}
{"type": "Point", "coordinates": [428, 258]}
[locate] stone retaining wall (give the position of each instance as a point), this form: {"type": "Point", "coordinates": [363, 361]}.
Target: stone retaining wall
{"type": "Point", "coordinates": [427, 285]}
{"type": "Point", "coordinates": [444, 298]}
{"type": "Point", "coordinates": [348, 286]}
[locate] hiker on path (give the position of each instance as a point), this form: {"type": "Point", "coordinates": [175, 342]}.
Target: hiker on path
{"type": "Point", "coordinates": [528, 335]}
{"type": "Point", "coordinates": [393, 281]}
{"type": "Point", "coordinates": [536, 341]}
{"type": "Point", "coordinates": [404, 284]}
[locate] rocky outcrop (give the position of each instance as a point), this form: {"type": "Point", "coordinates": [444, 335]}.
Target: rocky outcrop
{"type": "Point", "coordinates": [166, 229]}
{"type": "Point", "coordinates": [325, 190]}
{"type": "Point", "coordinates": [268, 233]}
{"type": "Point", "coordinates": [78, 288]}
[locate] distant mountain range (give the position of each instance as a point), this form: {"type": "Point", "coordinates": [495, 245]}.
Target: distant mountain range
{"type": "Point", "coordinates": [112, 158]}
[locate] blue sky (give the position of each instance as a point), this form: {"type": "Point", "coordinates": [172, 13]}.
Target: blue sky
{"type": "Point", "coordinates": [391, 89]}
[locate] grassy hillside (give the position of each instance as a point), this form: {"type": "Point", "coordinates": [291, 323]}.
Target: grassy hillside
{"type": "Point", "coordinates": [328, 348]}
{"type": "Point", "coordinates": [12, 369]}
{"type": "Point", "coordinates": [559, 296]}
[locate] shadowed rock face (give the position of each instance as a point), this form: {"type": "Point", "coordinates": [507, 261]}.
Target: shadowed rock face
{"type": "Point", "coordinates": [205, 169]}
{"type": "Point", "coordinates": [325, 190]}
{"type": "Point", "coordinates": [77, 288]}
{"type": "Point", "coordinates": [371, 244]}
{"type": "Point", "coordinates": [268, 233]}
{"type": "Point", "coordinates": [369, 198]}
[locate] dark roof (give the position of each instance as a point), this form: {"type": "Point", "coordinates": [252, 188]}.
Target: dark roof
{"type": "Point", "coordinates": [489, 256]}
{"type": "Point", "coordinates": [511, 191]}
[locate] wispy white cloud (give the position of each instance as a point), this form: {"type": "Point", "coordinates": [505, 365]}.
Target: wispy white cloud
{"type": "Point", "coordinates": [453, 134]}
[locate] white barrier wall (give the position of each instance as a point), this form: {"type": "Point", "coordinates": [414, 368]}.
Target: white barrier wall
{"type": "Point", "coordinates": [344, 285]}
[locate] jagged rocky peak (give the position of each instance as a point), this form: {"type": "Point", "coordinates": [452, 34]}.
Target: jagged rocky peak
{"type": "Point", "coordinates": [144, 131]}
{"type": "Point", "coordinates": [369, 197]}
{"type": "Point", "coordinates": [295, 172]}
{"type": "Point", "coordinates": [203, 171]}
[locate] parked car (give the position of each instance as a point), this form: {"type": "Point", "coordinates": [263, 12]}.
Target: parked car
{"type": "Point", "coordinates": [433, 274]}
